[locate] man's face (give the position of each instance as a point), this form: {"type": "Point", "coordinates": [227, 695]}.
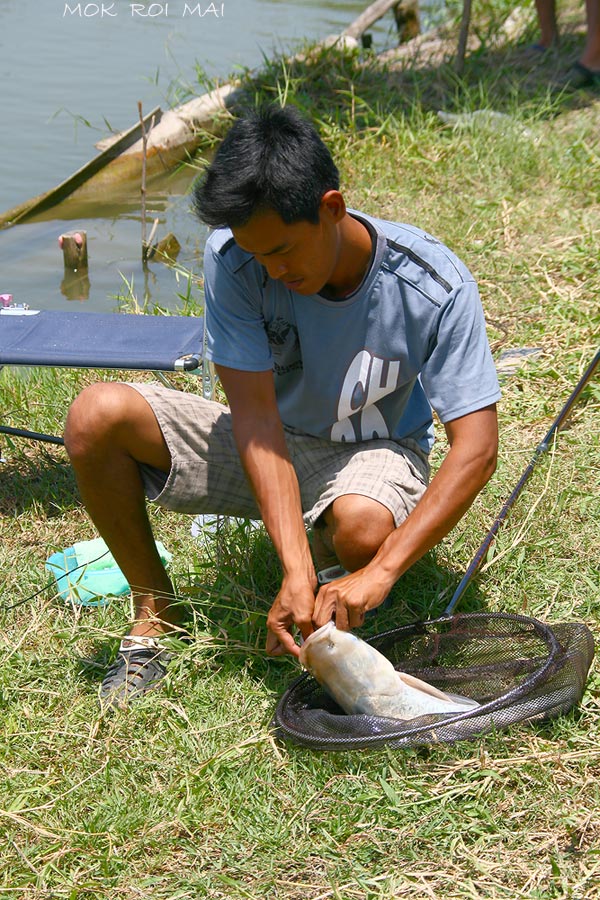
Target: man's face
{"type": "Point", "coordinates": [303, 256]}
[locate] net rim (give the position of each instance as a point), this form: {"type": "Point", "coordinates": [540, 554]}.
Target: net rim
{"type": "Point", "coordinates": [544, 631]}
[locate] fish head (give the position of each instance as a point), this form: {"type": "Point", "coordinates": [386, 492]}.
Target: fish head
{"type": "Point", "coordinates": [322, 652]}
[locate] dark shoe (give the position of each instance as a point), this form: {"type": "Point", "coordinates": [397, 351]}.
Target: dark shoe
{"type": "Point", "coordinates": [580, 77]}
{"type": "Point", "coordinates": [134, 672]}
{"type": "Point", "coordinates": [539, 52]}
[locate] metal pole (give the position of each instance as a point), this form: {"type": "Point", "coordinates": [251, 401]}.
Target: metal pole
{"type": "Point", "coordinates": [463, 37]}
{"type": "Point", "coordinates": [539, 451]}
{"type": "Point", "coordinates": [32, 435]}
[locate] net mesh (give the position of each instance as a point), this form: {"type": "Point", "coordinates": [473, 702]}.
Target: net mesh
{"type": "Point", "coordinates": [517, 668]}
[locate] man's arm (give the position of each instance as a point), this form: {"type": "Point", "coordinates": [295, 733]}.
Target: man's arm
{"type": "Point", "coordinates": [260, 440]}
{"type": "Point", "coordinates": [467, 467]}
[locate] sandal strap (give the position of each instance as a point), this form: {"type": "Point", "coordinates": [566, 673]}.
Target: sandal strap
{"type": "Point", "coordinates": [140, 642]}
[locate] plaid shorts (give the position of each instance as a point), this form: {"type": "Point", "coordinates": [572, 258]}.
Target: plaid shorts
{"type": "Point", "coordinates": [207, 477]}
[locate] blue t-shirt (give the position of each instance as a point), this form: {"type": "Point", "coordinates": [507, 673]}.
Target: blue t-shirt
{"type": "Point", "coordinates": [372, 365]}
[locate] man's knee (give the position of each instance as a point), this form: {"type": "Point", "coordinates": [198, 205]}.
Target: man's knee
{"type": "Point", "coordinates": [108, 420]}
{"type": "Point", "coordinates": [358, 526]}
{"type": "Point", "coordinates": [99, 414]}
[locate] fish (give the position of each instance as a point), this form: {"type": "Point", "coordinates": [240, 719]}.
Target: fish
{"type": "Point", "coordinates": [362, 681]}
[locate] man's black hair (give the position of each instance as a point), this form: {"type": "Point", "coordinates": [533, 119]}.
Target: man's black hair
{"type": "Point", "coordinates": [270, 159]}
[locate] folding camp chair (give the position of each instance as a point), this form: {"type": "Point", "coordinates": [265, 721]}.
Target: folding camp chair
{"type": "Point", "coordinates": [101, 341]}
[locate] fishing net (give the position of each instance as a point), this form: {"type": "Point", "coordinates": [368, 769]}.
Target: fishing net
{"type": "Point", "coordinates": [518, 668]}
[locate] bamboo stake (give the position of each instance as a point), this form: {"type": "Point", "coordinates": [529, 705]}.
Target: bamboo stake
{"type": "Point", "coordinates": [74, 247]}
{"type": "Point", "coordinates": [143, 188]}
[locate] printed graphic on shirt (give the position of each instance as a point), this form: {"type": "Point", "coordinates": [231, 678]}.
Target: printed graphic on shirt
{"type": "Point", "coordinates": [368, 379]}
{"type": "Point", "coordinates": [283, 339]}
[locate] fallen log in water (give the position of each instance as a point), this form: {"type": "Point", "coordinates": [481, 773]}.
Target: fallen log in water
{"type": "Point", "coordinates": [172, 140]}
{"type": "Point", "coordinates": [175, 136]}
{"type": "Point", "coordinates": [66, 188]}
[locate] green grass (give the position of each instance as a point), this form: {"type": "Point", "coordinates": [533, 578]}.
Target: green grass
{"type": "Point", "coordinates": [187, 795]}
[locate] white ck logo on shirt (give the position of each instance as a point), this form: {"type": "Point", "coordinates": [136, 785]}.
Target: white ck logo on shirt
{"type": "Point", "coordinates": [368, 379]}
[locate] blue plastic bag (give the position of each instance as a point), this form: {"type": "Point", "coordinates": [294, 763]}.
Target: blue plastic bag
{"type": "Point", "coordinates": [87, 574]}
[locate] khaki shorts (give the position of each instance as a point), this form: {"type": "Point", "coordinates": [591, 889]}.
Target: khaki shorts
{"type": "Point", "coordinates": [206, 475]}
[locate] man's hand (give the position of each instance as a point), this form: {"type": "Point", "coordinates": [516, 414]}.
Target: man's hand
{"type": "Point", "coordinates": [347, 599]}
{"type": "Point", "coordinates": [466, 468]}
{"type": "Point", "coordinates": [293, 606]}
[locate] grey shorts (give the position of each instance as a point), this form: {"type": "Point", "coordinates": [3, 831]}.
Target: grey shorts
{"type": "Point", "coordinates": [206, 475]}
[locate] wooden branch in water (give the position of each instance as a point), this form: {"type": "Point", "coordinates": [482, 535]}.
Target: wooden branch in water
{"type": "Point", "coordinates": [372, 14]}
{"type": "Point", "coordinates": [65, 188]}
{"type": "Point", "coordinates": [152, 234]}
{"type": "Point", "coordinates": [175, 137]}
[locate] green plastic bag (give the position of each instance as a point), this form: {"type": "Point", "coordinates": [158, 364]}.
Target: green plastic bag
{"type": "Point", "coordinates": [87, 574]}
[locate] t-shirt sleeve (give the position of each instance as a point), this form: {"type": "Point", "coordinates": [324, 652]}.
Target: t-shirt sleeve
{"type": "Point", "coordinates": [459, 376]}
{"type": "Point", "coordinates": [235, 330]}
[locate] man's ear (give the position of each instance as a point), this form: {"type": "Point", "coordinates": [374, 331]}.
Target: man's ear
{"type": "Point", "coordinates": [333, 206]}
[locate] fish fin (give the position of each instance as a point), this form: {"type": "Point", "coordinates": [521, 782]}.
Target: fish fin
{"type": "Point", "coordinates": [419, 685]}
{"type": "Point", "coordinates": [467, 702]}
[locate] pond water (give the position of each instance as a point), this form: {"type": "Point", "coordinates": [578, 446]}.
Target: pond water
{"type": "Point", "coordinates": [71, 71]}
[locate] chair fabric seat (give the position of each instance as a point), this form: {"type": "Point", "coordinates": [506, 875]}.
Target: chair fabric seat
{"type": "Point", "coordinates": [100, 340]}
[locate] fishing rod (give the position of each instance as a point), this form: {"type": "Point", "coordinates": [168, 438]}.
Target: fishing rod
{"type": "Point", "coordinates": [539, 451]}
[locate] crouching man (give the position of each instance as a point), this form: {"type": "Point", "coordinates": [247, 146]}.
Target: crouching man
{"type": "Point", "coordinates": [334, 334]}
